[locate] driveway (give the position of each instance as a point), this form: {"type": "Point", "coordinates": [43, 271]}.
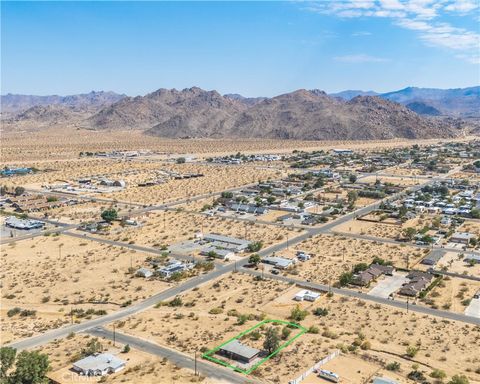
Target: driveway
{"type": "Point", "coordinates": [388, 285]}
{"type": "Point", "coordinates": [474, 308]}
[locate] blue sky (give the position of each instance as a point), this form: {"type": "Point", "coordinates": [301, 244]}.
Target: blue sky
{"type": "Point", "coordinates": [251, 48]}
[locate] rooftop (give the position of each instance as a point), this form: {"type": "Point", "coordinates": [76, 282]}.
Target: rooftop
{"type": "Point", "coordinates": [240, 349]}
{"type": "Point", "coordinates": [100, 362]}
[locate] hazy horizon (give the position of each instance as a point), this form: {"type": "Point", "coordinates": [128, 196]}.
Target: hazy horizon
{"type": "Point", "coordinates": [253, 49]}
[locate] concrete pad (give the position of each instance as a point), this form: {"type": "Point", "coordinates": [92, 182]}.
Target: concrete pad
{"type": "Point", "coordinates": [388, 285]}
{"type": "Point", "coordinates": [473, 309]}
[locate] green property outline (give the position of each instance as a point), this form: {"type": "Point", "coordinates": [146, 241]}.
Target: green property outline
{"type": "Point", "coordinates": [207, 354]}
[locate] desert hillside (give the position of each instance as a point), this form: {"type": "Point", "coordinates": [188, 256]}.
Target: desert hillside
{"type": "Point", "coordinates": [194, 112]}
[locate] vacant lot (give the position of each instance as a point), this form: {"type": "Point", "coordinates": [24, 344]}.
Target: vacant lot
{"type": "Point", "coordinates": [55, 274]}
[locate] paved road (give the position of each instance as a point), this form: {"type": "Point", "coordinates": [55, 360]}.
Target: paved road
{"type": "Point", "coordinates": [175, 357]}
{"type": "Point", "coordinates": [364, 296]}
{"type": "Point", "coordinates": [147, 303]}
{"type": "Point", "coordinates": [124, 312]}
{"type": "Point", "coordinates": [194, 282]}
{"type": "Point", "coordinates": [134, 247]}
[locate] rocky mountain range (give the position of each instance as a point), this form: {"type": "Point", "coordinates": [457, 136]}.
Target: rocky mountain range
{"type": "Point", "coordinates": [458, 102]}
{"type": "Point", "coordinates": [13, 104]}
{"type": "Point", "coordinates": [193, 112]}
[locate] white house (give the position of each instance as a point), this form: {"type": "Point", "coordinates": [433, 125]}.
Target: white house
{"type": "Point", "coordinates": [306, 295]}
{"type": "Point", "coordinates": [144, 272]}
{"type": "Point", "coordinates": [99, 365]}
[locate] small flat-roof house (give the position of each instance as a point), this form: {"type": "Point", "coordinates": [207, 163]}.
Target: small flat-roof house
{"type": "Point", "coordinates": [225, 242]}
{"type": "Point", "coordinates": [306, 295]}
{"type": "Point", "coordinates": [26, 224]}
{"type": "Point", "coordinates": [219, 253]}
{"type": "Point", "coordinates": [174, 266]}
{"type": "Point", "coordinates": [144, 272]}
{"type": "Point", "coordinates": [472, 257]}
{"type": "Point", "coordinates": [278, 262]}
{"type": "Point", "coordinates": [384, 380]}
{"type": "Point", "coordinates": [462, 237]}
{"type": "Point", "coordinates": [99, 365]}
{"type": "Point", "coordinates": [237, 351]}
{"type": "Point", "coordinates": [432, 259]}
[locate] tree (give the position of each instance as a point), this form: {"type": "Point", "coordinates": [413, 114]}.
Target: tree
{"type": "Point", "coordinates": [109, 214]}
{"type": "Point", "coordinates": [360, 267]}
{"type": "Point", "coordinates": [212, 254]}
{"type": "Point", "coordinates": [320, 312]}
{"type": "Point", "coordinates": [459, 379]}
{"type": "Point", "coordinates": [475, 213]}
{"type": "Point", "coordinates": [93, 346]}
{"type": "Point", "coordinates": [402, 211]}
{"type": "Point", "coordinates": [30, 368]}
{"type": "Point", "coordinates": [352, 178]}
{"type": "Point", "coordinates": [345, 278]}
{"type": "Point", "coordinates": [272, 340]}
{"type": "Point", "coordinates": [7, 358]}
{"type": "Point", "coordinates": [254, 259]}
{"type": "Point", "coordinates": [352, 197]}
{"type": "Point", "coordinates": [286, 333]}
{"type": "Point", "coordinates": [19, 191]}
{"type": "Point", "coordinates": [409, 233]}
{"type": "Point", "coordinates": [255, 246]}
{"type": "Point", "coordinates": [298, 314]}
{"type": "Point", "coordinates": [126, 348]}
{"type": "Point", "coordinates": [181, 160]}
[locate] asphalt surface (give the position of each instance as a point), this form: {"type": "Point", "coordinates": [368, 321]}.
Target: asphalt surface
{"type": "Point", "coordinates": [175, 357]}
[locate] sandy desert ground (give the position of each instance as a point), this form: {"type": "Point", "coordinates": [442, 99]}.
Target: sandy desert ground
{"type": "Point", "coordinates": [208, 316]}
{"type": "Point", "coordinates": [170, 227]}
{"type": "Point", "coordinates": [58, 143]}
{"type": "Point", "coordinates": [54, 274]}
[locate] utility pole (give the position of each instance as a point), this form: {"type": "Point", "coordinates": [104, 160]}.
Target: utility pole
{"type": "Point", "coordinates": [196, 363]}
{"type": "Point", "coordinates": [114, 334]}
{"type": "Point", "coordinates": [71, 314]}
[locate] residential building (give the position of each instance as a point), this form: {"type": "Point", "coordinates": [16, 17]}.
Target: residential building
{"type": "Point", "coordinates": [27, 224]}
{"type": "Point", "coordinates": [432, 259]}
{"type": "Point", "coordinates": [99, 365]}
{"type": "Point", "coordinates": [219, 253]}
{"type": "Point", "coordinates": [278, 262]}
{"type": "Point", "coordinates": [306, 295]}
{"type": "Point", "coordinates": [462, 237]}
{"type": "Point", "coordinates": [225, 242]}
{"type": "Point", "coordinates": [144, 272]}
{"type": "Point", "coordinates": [235, 350]}
{"type": "Point", "coordinates": [384, 380]}
{"type": "Point", "coordinates": [472, 258]}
